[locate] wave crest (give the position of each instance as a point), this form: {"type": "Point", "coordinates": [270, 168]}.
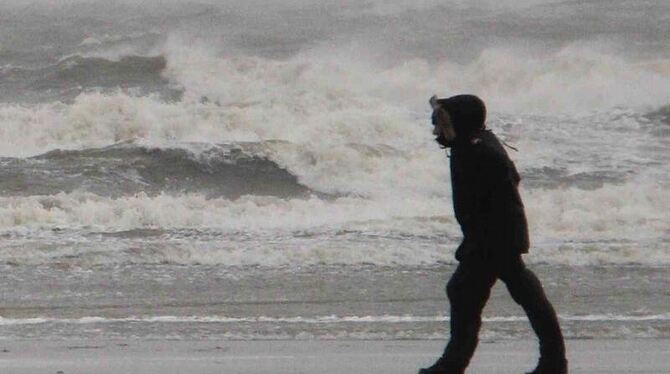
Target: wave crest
{"type": "Point", "coordinates": [127, 168]}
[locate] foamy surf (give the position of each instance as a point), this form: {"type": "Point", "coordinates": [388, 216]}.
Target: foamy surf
{"type": "Point", "coordinates": [180, 170]}
{"type": "Point", "coordinates": [610, 225]}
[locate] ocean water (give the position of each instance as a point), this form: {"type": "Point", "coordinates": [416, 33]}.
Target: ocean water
{"type": "Point", "coordinates": [257, 170]}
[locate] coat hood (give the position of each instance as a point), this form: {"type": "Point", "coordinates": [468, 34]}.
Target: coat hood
{"type": "Point", "coordinates": [467, 114]}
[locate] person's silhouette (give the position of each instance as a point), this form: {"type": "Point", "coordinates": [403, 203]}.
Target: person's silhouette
{"type": "Point", "coordinates": [489, 209]}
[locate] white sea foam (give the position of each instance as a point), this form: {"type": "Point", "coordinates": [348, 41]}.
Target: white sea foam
{"type": "Point", "coordinates": [570, 80]}
{"type": "Point", "coordinates": [631, 211]}
{"type": "Point", "coordinates": [628, 211]}
{"type": "Point", "coordinates": [612, 225]}
{"type": "Point", "coordinates": [340, 114]}
{"type": "Point", "coordinates": [331, 97]}
{"type": "Point", "coordinates": [247, 214]}
{"type": "Point", "coordinates": [344, 123]}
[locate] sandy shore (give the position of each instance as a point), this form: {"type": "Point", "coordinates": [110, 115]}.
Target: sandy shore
{"type": "Point", "coordinates": [162, 356]}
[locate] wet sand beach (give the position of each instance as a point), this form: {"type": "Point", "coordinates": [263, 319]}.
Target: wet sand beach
{"type": "Point", "coordinates": [326, 357]}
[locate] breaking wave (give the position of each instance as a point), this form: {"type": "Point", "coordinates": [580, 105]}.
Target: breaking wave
{"type": "Point", "coordinates": [612, 225]}
{"type": "Point", "coordinates": [328, 143]}
{"type": "Point", "coordinates": [100, 72]}
{"type": "Point", "coordinates": [126, 169]}
{"type": "Point", "coordinates": [76, 74]}
{"type": "Point", "coordinates": [610, 213]}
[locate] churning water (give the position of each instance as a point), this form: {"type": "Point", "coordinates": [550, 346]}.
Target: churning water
{"type": "Point", "coordinates": [147, 143]}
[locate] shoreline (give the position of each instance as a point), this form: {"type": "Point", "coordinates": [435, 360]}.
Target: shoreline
{"type": "Point", "coordinates": [289, 356]}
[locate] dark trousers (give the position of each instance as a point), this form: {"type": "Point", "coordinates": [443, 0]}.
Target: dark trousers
{"type": "Point", "coordinates": [469, 289]}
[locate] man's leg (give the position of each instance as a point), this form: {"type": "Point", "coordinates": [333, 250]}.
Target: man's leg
{"type": "Point", "coordinates": [468, 290]}
{"type": "Point", "coordinates": [527, 291]}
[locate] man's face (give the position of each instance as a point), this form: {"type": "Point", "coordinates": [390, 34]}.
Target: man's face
{"type": "Point", "coordinates": [443, 128]}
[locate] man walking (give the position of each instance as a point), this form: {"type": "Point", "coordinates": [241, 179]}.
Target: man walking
{"type": "Point", "coordinates": [489, 209]}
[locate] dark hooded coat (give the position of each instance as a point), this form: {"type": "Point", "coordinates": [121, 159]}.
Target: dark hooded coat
{"type": "Point", "coordinates": [484, 182]}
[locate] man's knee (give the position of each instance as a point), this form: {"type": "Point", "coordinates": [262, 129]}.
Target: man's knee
{"type": "Point", "coordinates": [525, 288]}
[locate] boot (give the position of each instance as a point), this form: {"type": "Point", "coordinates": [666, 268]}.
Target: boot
{"type": "Point", "coordinates": [545, 366]}
{"type": "Point", "coordinates": [441, 366]}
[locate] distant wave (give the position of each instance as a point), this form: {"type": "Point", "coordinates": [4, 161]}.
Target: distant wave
{"type": "Point", "coordinates": [125, 168]}
{"type": "Point", "coordinates": [91, 71]}
{"type": "Point", "coordinates": [76, 74]}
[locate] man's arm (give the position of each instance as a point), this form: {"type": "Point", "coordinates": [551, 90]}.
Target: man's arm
{"type": "Point", "coordinates": [494, 191]}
